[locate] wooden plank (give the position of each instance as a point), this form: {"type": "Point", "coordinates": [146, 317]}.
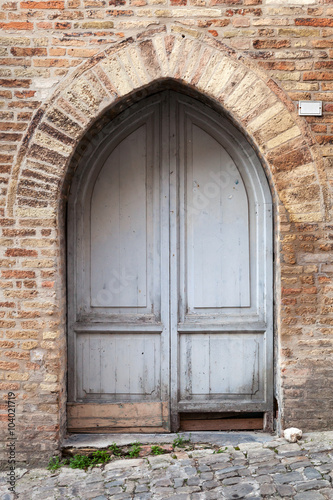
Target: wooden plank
{"type": "Point", "coordinates": [124, 416]}
{"type": "Point", "coordinates": [222, 424]}
{"type": "Point", "coordinates": [118, 430]}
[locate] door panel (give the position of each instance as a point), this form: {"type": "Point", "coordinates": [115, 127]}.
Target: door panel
{"type": "Point", "coordinates": [118, 331]}
{"type": "Point", "coordinates": [119, 225]}
{"type": "Point", "coordinates": [223, 325]}
{"type": "Point", "coordinates": [120, 367]}
{"type": "Point", "coordinates": [228, 366]}
{"type": "Point", "coordinates": [119, 233]}
{"type": "Point", "coordinates": [170, 272]}
{"type": "Point", "coordinates": [218, 253]}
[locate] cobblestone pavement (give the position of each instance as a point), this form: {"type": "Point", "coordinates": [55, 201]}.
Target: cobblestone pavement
{"type": "Point", "coordinates": [275, 469]}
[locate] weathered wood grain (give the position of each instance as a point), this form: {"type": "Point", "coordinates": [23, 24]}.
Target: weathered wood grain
{"type": "Point", "coordinates": [123, 416]}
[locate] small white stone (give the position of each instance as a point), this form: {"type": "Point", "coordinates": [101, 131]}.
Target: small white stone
{"type": "Point", "coordinates": [292, 434]}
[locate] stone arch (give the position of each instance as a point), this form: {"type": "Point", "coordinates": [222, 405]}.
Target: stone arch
{"type": "Point", "coordinates": [252, 99]}
{"type": "Point", "coordinates": [248, 96]}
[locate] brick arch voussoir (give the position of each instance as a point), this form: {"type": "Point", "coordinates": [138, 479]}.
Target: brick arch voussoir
{"type": "Point", "coordinates": [248, 95]}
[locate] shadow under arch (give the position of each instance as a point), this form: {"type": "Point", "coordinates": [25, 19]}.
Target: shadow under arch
{"type": "Point", "coordinates": [90, 138]}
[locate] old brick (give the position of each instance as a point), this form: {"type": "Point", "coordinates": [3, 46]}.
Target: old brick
{"type": "Point", "coordinates": [104, 25]}
{"type": "Point", "coordinates": [21, 335]}
{"type": "Point", "coordinates": [17, 355]}
{"type": "Point", "coordinates": [6, 344]}
{"type": "Point", "coordinates": [17, 26]}
{"type": "Point", "coordinates": [271, 44]}
{"type": "Point", "coordinates": [15, 83]}
{"type": "Point", "coordinates": [28, 51]}
{"type": "Point", "coordinates": [313, 21]}
{"type": "Point", "coordinates": [116, 13]}
{"type": "Point", "coordinates": [9, 387]}
{"type": "Point", "coordinates": [44, 154]}
{"type": "Point", "coordinates": [54, 4]}
{"type": "Point", "coordinates": [318, 75]}
{"type": "Point", "coordinates": [63, 122]}
{"type": "Point", "coordinates": [7, 365]}
{"type": "Point", "coordinates": [20, 252]}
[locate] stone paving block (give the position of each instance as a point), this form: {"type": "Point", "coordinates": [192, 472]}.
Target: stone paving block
{"type": "Point", "coordinates": [275, 443]}
{"type": "Point", "coordinates": [204, 468]}
{"type": "Point", "coordinates": [268, 470]}
{"type": "Point", "coordinates": [312, 473]}
{"type": "Point", "coordinates": [179, 497]}
{"type": "Point", "coordinates": [325, 468]}
{"type": "Point", "coordinates": [285, 490]}
{"type": "Point", "coordinates": [190, 470]}
{"type": "Point", "coordinates": [188, 489]}
{"type": "Point", "coordinates": [319, 458]}
{"type": "Point", "coordinates": [113, 490]}
{"type": "Point", "coordinates": [162, 492]}
{"type": "Point", "coordinates": [214, 459]}
{"type": "Point", "coordinates": [327, 492]}
{"type": "Point", "coordinates": [288, 447]}
{"type": "Point", "coordinates": [312, 484]}
{"type": "Point", "coordinates": [232, 480]}
{"type": "Point", "coordinates": [163, 482]}
{"type": "Point", "coordinates": [238, 491]}
{"type": "Point", "coordinates": [86, 495]}
{"type": "Point", "coordinates": [309, 495]}
{"type": "Point", "coordinates": [124, 464]}
{"type": "Point", "coordinates": [114, 483]}
{"type": "Point", "coordinates": [8, 496]}
{"type": "Point", "coordinates": [193, 481]}
{"type": "Point", "coordinates": [200, 453]}
{"type": "Point", "coordinates": [267, 489]}
{"type": "Point", "coordinates": [288, 477]}
{"type": "Point", "coordinates": [300, 465]}
{"type": "Point", "coordinates": [178, 482]}
{"type": "Point", "coordinates": [207, 476]}
{"type": "Point", "coordinates": [264, 479]}
{"type": "Point", "coordinates": [141, 488]}
{"type": "Point", "coordinates": [209, 485]}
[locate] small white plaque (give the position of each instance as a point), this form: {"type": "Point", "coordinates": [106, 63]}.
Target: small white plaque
{"type": "Point", "coordinates": [310, 108]}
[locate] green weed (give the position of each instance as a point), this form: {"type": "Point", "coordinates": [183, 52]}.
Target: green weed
{"type": "Point", "coordinates": [79, 462]}
{"type": "Point", "coordinates": [54, 463]}
{"type": "Point", "coordinates": [157, 450]}
{"type": "Point", "coordinates": [115, 450]}
{"type": "Point", "coordinates": [134, 450]}
{"type": "Point", "coordinates": [100, 457]}
{"type": "Point", "coordinates": [181, 441]}
{"type": "Point", "coordinates": [221, 450]}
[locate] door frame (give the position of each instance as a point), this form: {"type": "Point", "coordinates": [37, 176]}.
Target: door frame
{"type": "Point", "coordinates": [174, 277]}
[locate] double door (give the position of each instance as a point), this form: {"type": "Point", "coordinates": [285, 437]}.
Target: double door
{"type": "Point", "coordinates": [169, 267]}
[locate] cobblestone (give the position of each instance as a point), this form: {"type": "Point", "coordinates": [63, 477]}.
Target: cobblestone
{"type": "Point", "coordinates": [274, 470]}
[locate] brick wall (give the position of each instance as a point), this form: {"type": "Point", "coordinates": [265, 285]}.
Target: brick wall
{"type": "Point", "coordinates": [45, 47]}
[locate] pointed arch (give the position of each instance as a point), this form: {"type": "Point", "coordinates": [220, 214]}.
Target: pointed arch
{"type": "Point", "coordinates": [255, 103]}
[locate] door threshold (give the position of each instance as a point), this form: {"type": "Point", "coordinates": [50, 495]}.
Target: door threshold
{"type": "Point", "coordinates": [230, 421]}
{"type": "Point", "coordinates": [214, 438]}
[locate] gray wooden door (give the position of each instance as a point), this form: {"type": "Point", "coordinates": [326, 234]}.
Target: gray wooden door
{"type": "Point", "coordinates": [170, 272]}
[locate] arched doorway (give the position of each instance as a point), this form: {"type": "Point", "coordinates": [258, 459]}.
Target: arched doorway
{"type": "Point", "coordinates": [170, 272]}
